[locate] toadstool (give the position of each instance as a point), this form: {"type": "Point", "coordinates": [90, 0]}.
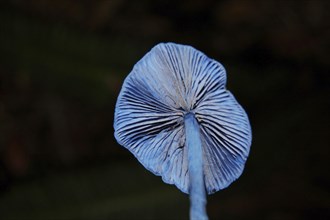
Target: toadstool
{"type": "Point", "coordinates": [176, 116]}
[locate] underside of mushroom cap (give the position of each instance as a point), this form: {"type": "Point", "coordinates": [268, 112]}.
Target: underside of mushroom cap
{"type": "Point", "coordinates": [168, 82]}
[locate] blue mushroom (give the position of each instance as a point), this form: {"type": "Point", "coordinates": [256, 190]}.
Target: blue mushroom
{"type": "Point", "coordinates": [176, 116]}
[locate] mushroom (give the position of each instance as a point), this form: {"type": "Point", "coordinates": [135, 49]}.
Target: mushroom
{"type": "Point", "coordinates": [177, 118]}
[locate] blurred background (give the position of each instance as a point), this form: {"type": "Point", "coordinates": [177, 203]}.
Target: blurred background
{"type": "Point", "coordinates": [62, 64]}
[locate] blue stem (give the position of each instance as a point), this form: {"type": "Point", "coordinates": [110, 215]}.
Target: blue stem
{"type": "Point", "coordinates": [195, 165]}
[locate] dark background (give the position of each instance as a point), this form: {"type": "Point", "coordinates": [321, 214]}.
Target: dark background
{"type": "Point", "coordinates": [62, 64]}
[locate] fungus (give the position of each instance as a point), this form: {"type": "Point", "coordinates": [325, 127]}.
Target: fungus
{"type": "Point", "coordinates": [176, 116]}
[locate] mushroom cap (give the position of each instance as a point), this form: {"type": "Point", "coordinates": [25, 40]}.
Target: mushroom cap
{"type": "Point", "coordinates": [168, 82]}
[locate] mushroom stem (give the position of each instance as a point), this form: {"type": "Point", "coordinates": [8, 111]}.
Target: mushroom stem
{"type": "Point", "coordinates": [195, 165]}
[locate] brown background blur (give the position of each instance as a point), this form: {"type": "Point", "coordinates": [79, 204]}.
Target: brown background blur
{"type": "Point", "coordinates": [62, 64]}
